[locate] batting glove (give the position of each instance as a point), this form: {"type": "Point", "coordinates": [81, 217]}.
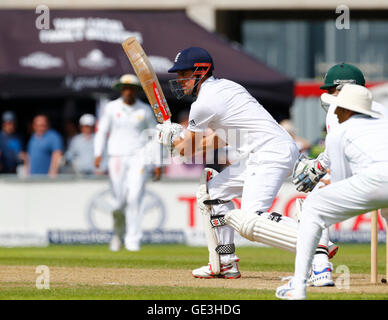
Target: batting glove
{"type": "Point", "coordinates": [307, 173]}
{"type": "Point", "coordinates": [168, 133]}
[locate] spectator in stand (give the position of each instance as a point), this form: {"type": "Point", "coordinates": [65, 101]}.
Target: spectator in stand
{"type": "Point", "coordinates": [11, 153]}
{"type": "Point", "coordinates": [44, 148]}
{"type": "Point", "coordinates": [81, 147]}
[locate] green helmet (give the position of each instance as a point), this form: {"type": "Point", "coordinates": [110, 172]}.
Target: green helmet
{"type": "Point", "coordinates": [343, 73]}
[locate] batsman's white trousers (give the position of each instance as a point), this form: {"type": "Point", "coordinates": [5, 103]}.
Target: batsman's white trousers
{"type": "Point", "coordinates": [127, 178]}
{"type": "Point", "coordinates": [257, 180]}
{"type": "Point", "coordinates": [364, 192]}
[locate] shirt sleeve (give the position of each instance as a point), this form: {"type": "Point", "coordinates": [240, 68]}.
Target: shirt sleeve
{"type": "Point", "coordinates": [102, 132]}
{"type": "Point", "coordinates": [335, 145]}
{"type": "Point", "coordinates": [57, 143]}
{"type": "Point", "coordinates": [16, 145]}
{"type": "Point", "coordinates": [19, 146]}
{"type": "Point", "coordinates": [200, 116]}
{"type": "Point", "coordinates": [324, 160]}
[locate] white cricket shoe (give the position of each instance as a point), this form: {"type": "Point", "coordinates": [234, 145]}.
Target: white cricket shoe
{"type": "Point", "coordinates": [228, 271]}
{"type": "Point", "coordinates": [115, 243]}
{"type": "Point", "coordinates": [321, 275]}
{"type": "Point", "coordinates": [132, 246]}
{"type": "Point", "coordinates": [289, 291]}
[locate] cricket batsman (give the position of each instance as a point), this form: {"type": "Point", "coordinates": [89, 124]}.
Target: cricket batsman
{"type": "Point", "coordinates": [308, 172]}
{"type": "Point", "coordinates": [124, 121]}
{"type": "Point", "coordinates": [267, 156]}
{"type": "Point", "coordinates": [357, 151]}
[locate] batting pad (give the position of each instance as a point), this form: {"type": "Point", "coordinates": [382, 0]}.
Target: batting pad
{"type": "Point", "coordinates": [212, 242]}
{"type": "Point", "coordinates": [211, 236]}
{"type": "Point", "coordinates": [267, 228]}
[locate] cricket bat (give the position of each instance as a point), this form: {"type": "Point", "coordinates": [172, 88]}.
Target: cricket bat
{"type": "Point", "coordinates": [148, 79]}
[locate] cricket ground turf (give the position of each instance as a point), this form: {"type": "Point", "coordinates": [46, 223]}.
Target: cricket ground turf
{"type": "Point", "coordinates": [163, 272]}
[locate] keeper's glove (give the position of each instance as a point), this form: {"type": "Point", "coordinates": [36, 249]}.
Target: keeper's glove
{"type": "Point", "coordinates": [307, 173]}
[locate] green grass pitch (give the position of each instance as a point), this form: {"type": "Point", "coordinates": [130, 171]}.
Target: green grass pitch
{"type": "Point", "coordinates": [171, 257]}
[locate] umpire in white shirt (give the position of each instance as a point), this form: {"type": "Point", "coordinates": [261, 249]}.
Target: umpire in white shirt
{"type": "Point", "coordinates": [358, 155]}
{"type": "Point", "coordinates": [80, 152]}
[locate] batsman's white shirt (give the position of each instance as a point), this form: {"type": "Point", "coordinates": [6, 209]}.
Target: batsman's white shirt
{"type": "Point", "coordinates": [267, 151]}
{"type": "Point", "coordinates": [227, 108]}
{"type": "Point", "coordinates": [125, 125]}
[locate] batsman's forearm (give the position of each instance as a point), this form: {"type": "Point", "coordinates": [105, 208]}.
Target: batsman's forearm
{"type": "Point", "coordinates": [194, 144]}
{"type": "Point", "coordinates": [212, 142]}
{"type": "Point", "coordinates": [183, 147]}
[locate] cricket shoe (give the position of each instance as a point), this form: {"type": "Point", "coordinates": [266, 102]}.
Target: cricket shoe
{"type": "Point", "coordinates": [115, 243]}
{"type": "Point", "coordinates": [228, 271]}
{"type": "Point", "coordinates": [132, 246]}
{"type": "Point", "coordinates": [290, 291]}
{"type": "Point", "coordinates": [321, 276]}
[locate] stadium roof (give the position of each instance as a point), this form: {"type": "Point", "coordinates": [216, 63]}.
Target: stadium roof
{"type": "Point", "coordinates": [81, 53]}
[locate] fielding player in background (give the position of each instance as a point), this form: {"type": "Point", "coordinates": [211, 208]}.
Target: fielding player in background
{"type": "Point", "coordinates": [267, 151]}
{"type": "Point", "coordinates": [308, 172]}
{"type": "Point", "coordinates": [358, 153]}
{"type": "Point", "coordinates": [124, 120]}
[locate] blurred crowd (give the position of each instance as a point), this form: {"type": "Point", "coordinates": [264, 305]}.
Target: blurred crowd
{"type": "Point", "coordinates": [45, 152]}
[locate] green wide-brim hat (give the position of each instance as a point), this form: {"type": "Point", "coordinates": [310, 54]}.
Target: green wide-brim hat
{"type": "Point", "coordinates": [343, 73]}
{"type": "Point", "coordinates": [127, 80]}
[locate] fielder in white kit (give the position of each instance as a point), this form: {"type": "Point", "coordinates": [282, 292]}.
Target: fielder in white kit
{"type": "Point", "coordinates": [358, 158]}
{"type": "Point", "coordinates": [308, 172]}
{"type": "Point", "coordinates": [267, 156]}
{"type": "Point", "coordinates": [125, 120]}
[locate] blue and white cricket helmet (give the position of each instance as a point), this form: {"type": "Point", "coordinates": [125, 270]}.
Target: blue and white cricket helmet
{"type": "Point", "coordinates": [192, 58]}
